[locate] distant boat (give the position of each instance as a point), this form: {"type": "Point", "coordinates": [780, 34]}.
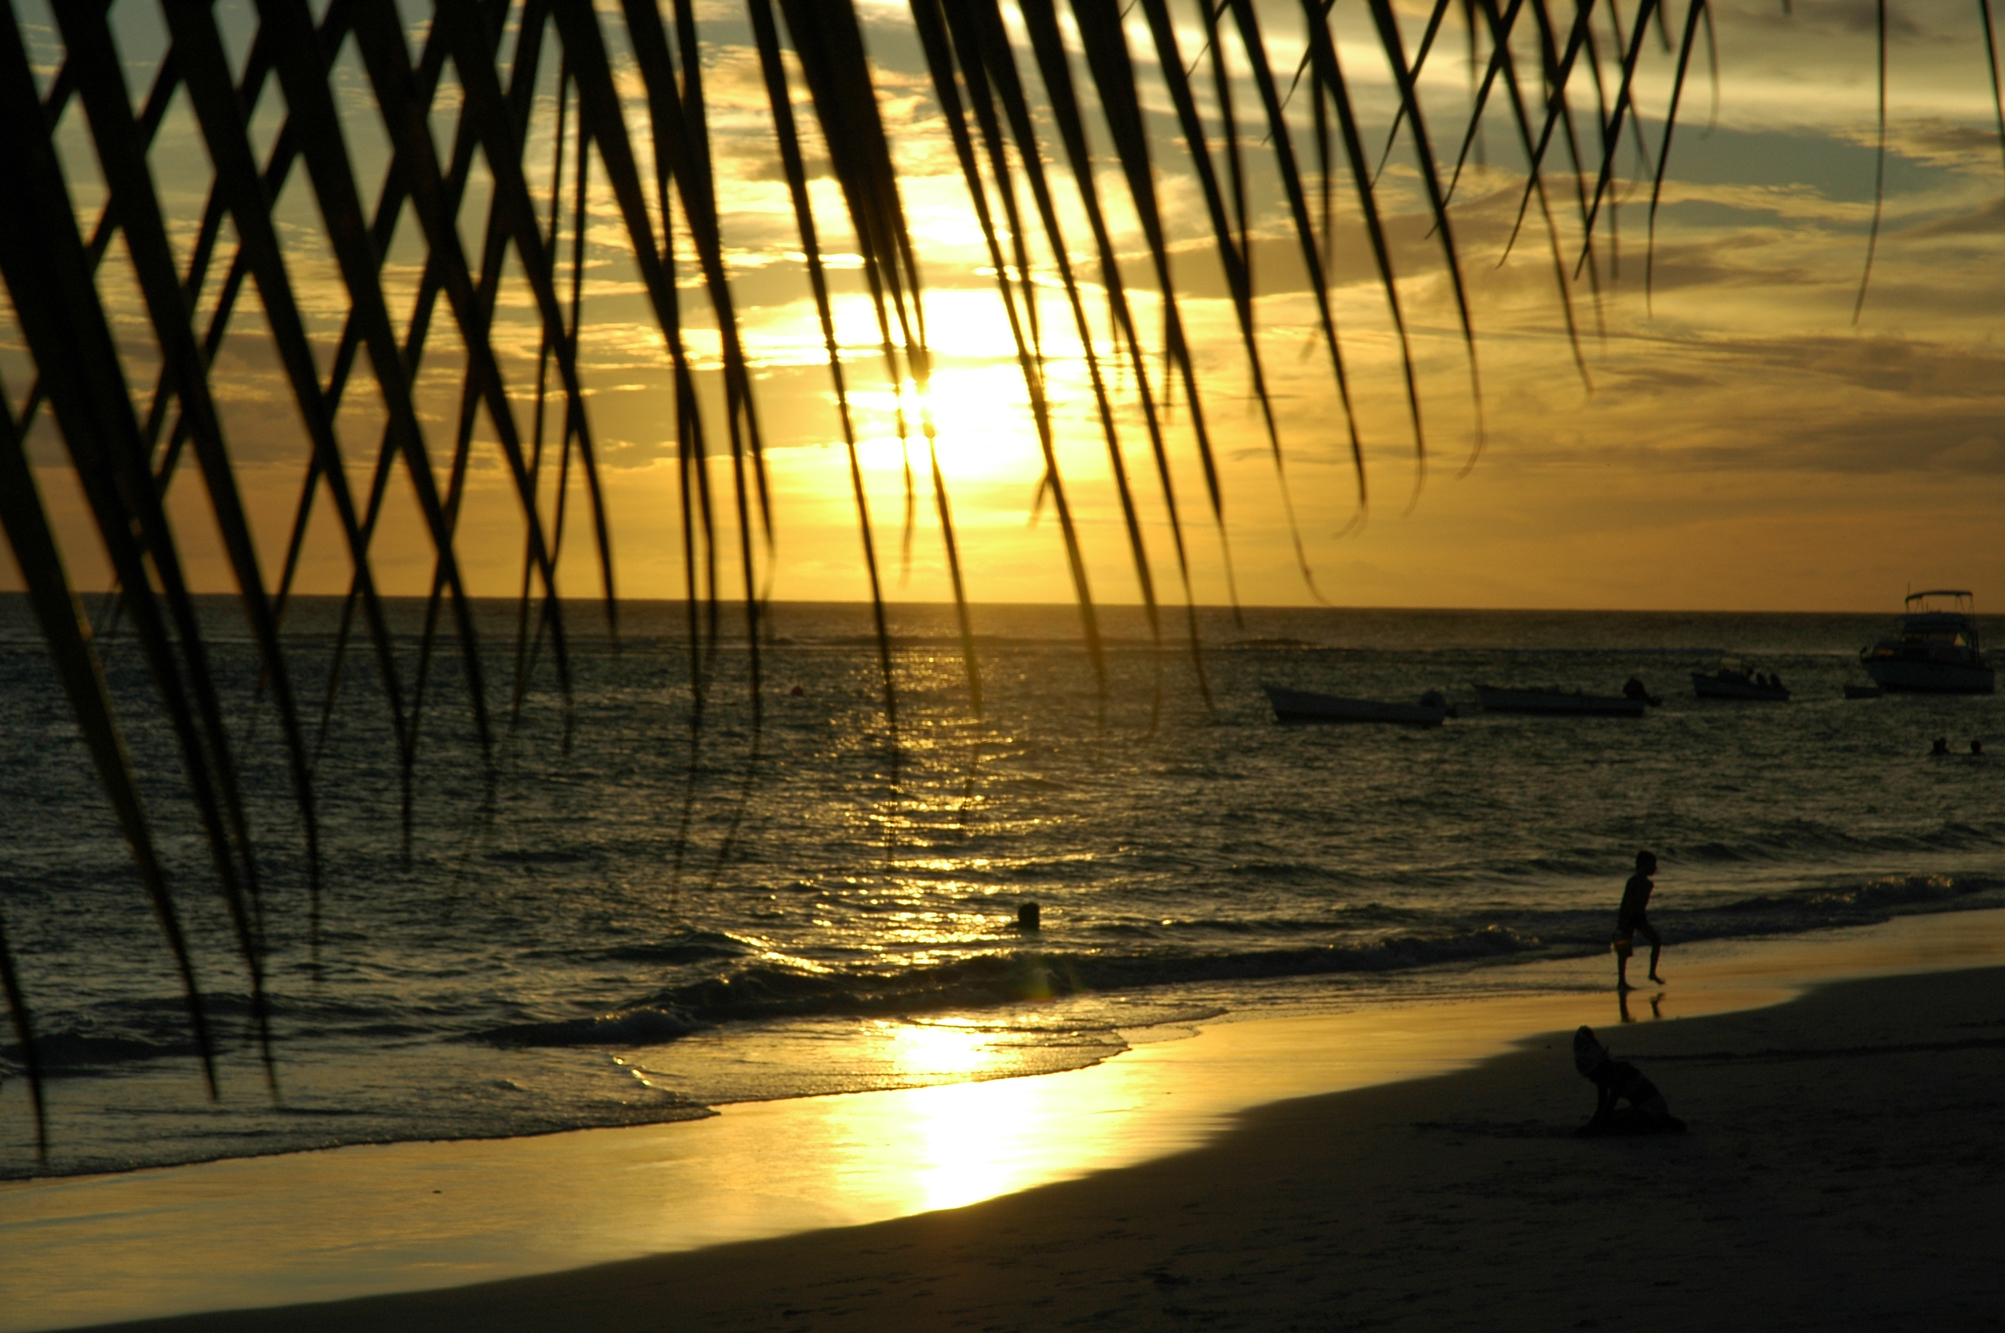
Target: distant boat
{"type": "Point", "coordinates": [1735, 681]}
{"type": "Point", "coordinates": [1557, 703]}
{"type": "Point", "coordinates": [1307, 706]}
{"type": "Point", "coordinates": [1933, 651]}
{"type": "Point", "coordinates": [1863, 691]}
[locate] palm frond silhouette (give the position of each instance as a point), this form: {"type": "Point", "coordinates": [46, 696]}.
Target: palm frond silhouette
{"type": "Point", "coordinates": [1025, 92]}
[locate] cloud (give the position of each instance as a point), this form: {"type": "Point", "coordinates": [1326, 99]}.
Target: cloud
{"type": "Point", "coordinates": [1988, 222]}
{"type": "Point", "coordinates": [1739, 403]}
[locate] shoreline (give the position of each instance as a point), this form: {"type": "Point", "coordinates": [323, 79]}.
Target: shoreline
{"type": "Point", "coordinates": [416, 1218]}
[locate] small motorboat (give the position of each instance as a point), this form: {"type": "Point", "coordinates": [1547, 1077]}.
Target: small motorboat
{"type": "Point", "coordinates": [1553, 701]}
{"type": "Point", "coordinates": [1308, 706]}
{"type": "Point", "coordinates": [1734, 680]}
{"type": "Point", "coordinates": [1863, 691]}
{"type": "Point", "coordinates": [1934, 650]}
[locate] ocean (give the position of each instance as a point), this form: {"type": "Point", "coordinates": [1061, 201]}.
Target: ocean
{"type": "Point", "coordinates": [619, 918]}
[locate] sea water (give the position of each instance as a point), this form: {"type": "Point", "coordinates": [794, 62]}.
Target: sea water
{"type": "Point", "coordinates": [625, 909]}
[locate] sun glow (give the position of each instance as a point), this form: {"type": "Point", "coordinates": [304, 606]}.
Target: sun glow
{"type": "Point", "coordinates": [975, 397]}
{"type": "Point", "coordinates": [929, 1049]}
{"type": "Point", "coordinates": [964, 1141]}
{"type": "Point", "coordinates": [981, 422]}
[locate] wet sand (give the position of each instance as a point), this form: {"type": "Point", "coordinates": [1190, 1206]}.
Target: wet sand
{"type": "Point", "coordinates": [1842, 1167]}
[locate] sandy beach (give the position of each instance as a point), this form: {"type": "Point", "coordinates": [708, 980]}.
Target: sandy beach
{"type": "Point", "coordinates": [1841, 1168]}
{"type": "Point", "coordinates": [630, 698]}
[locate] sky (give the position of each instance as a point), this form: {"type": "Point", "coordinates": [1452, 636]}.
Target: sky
{"type": "Point", "coordinates": [1734, 439]}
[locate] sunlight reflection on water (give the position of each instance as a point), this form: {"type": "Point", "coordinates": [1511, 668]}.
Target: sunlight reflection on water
{"type": "Point", "coordinates": [407, 1216]}
{"type": "Point", "coordinates": [547, 941]}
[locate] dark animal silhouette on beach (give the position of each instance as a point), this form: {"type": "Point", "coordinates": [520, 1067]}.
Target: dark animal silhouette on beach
{"type": "Point", "coordinates": [1616, 1081]}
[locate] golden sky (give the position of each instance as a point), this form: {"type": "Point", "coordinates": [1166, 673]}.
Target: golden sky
{"type": "Point", "coordinates": [1745, 445]}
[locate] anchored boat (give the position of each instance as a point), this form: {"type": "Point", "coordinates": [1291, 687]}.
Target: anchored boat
{"type": "Point", "coordinates": [1554, 702]}
{"type": "Point", "coordinates": [1934, 650]}
{"type": "Point", "coordinates": [1734, 680]}
{"type": "Point", "coordinates": [1308, 706]}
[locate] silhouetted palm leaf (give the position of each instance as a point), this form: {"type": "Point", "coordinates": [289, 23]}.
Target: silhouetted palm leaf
{"type": "Point", "coordinates": [1233, 251]}
{"type": "Point", "coordinates": [828, 41]}
{"type": "Point", "coordinates": [1879, 161]}
{"type": "Point", "coordinates": [1248, 23]}
{"type": "Point", "coordinates": [121, 153]}
{"type": "Point", "coordinates": [1500, 36]}
{"type": "Point", "coordinates": [931, 23]}
{"type": "Point", "coordinates": [794, 165]}
{"type": "Point", "coordinates": [1558, 69]}
{"type": "Point", "coordinates": [1991, 55]}
{"type": "Point", "coordinates": [126, 461]}
{"type": "Point", "coordinates": [1416, 125]}
{"type": "Point", "coordinates": [1693, 11]}
{"type": "Point", "coordinates": [1330, 76]}
{"type": "Point", "coordinates": [1419, 63]}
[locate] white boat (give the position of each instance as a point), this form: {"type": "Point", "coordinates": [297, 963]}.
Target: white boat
{"type": "Point", "coordinates": [1308, 706]}
{"type": "Point", "coordinates": [1934, 650]}
{"type": "Point", "coordinates": [1734, 681]}
{"type": "Point", "coordinates": [1555, 702]}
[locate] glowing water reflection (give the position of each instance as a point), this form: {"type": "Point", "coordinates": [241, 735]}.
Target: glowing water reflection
{"type": "Point", "coordinates": [317, 1226]}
